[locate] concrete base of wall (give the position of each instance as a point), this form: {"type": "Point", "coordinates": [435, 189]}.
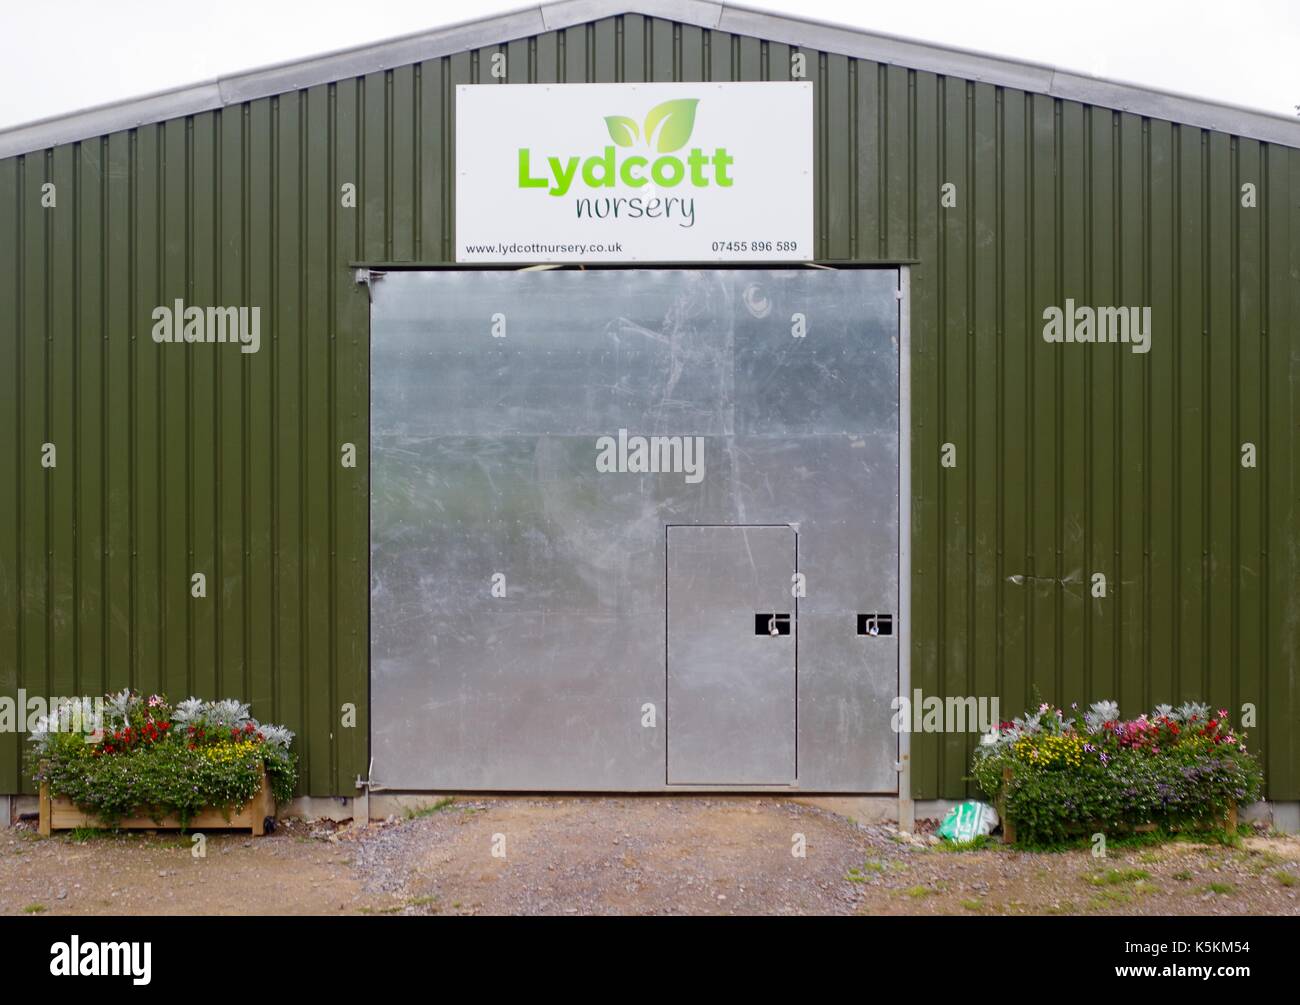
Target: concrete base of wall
{"type": "Point", "coordinates": [320, 808]}
{"type": "Point", "coordinates": [6, 811]}
{"type": "Point", "coordinates": [878, 809]}
{"type": "Point", "coordinates": [22, 804]}
{"type": "Point", "coordinates": [1283, 817]}
{"type": "Point", "coordinates": [863, 809]}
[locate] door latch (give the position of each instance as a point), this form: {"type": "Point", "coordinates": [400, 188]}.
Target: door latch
{"type": "Point", "coordinates": [875, 624]}
{"type": "Point", "coordinates": [772, 624]}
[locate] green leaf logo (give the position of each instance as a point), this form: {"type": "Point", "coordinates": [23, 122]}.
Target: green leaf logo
{"type": "Point", "coordinates": [678, 119]}
{"type": "Point", "coordinates": [622, 130]}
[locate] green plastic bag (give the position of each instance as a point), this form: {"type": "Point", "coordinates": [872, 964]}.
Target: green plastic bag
{"type": "Point", "coordinates": [967, 821]}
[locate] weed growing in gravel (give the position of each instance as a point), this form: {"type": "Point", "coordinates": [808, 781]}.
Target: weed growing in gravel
{"type": "Point", "coordinates": [974, 844]}
{"type": "Point", "coordinates": [858, 874]}
{"type": "Point", "coordinates": [428, 811]}
{"type": "Point", "coordinates": [1185, 876]}
{"type": "Point", "coordinates": [1114, 877]}
{"type": "Point", "coordinates": [1220, 888]}
{"type": "Point", "coordinates": [80, 835]}
{"type": "Point", "coordinates": [1261, 861]}
{"type": "Point", "coordinates": [34, 909]}
{"type": "Point", "coordinates": [1285, 878]}
{"type": "Point", "coordinates": [973, 905]}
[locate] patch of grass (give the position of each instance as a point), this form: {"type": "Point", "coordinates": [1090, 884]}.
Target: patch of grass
{"type": "Point", "coordinates": [1114, 877]}
{"type": "Point", "coordinates": [1149, 857]}
{"type": "Point", "coordinates": [1213, 835]}
{"type": "Point", "coordinates": [1220, 888]}
{"type": "Point", "coordinates": [1184, 876]}
{"type": "Point", "coordinates": [80, 835]}
{"type": "Point", "coordinates": [974, 844]}
{"type": "Point", "coordinates": [917, 892]}
{"type": "Point", "coordinates": [1065, 907]}
{"type": "Point", "coordinates": [380, 910]}
{"type": "Point", "coordinates": [428, 811]}
{"type": "Point", "coordinates": [859, 874]}
{"type": "Point", "coordinates": [973, 905]}
{"type": "Point", "coordinates": [34, 909]}
{"type": "Point", "coordinates": [422, 902]}
{"type": "Point", "coordinates": [1285, 878]}
{"type": "Point", "coordinates": [1261, 861]}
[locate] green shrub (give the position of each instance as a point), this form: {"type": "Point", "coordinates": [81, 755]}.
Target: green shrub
{"type": "Point", "coordinates": [1057, 775]}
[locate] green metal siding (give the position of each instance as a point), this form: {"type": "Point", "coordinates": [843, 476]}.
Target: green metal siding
{"type": "Point", "coordinates": [1071, 459]}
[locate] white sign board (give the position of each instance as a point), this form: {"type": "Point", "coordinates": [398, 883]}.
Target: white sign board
{"type": "Point", "coordinates": [709, 172]}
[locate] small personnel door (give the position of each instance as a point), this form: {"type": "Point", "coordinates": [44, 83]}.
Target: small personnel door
{"type": "Point", "coordinates": [732, 630]}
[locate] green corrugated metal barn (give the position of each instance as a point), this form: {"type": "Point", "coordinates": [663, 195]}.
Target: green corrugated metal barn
{"type": "Point", "coordinates": [1068, 461]}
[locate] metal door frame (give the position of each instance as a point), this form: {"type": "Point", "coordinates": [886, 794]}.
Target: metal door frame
{"type": "Point", "coordinates": [906, 807]}
{"type": "Point", "coordinates": [367, 272]}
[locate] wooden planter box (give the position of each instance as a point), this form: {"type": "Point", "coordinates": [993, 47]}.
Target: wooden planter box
{"type": "Point", "coordinates": [59, 814]}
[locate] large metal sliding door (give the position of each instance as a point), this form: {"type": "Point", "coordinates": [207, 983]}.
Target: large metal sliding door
{"type": "Point", "coordinates": [558, 458]}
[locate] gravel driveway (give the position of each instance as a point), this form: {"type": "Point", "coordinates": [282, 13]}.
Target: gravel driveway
{"type": "Point", "coordinates": [629, 855]}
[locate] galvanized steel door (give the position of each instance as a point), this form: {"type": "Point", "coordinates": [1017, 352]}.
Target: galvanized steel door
{"type": "Point", "coordinates": [537, 437]}
{"type": "Point", "coordinates": [732, 632]}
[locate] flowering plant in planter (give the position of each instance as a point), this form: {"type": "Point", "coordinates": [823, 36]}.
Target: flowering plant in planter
{"type": "Point", "coordinates": [162, 759]}
{"type": "Point", "coordinates": [1056, 773]}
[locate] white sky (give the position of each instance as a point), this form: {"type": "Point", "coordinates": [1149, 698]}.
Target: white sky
{"type": "Point", "coordinates": [63, 55]}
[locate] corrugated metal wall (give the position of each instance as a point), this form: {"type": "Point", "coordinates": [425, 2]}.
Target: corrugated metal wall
{"type": "Point", "coordinates": [1071, 459]}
